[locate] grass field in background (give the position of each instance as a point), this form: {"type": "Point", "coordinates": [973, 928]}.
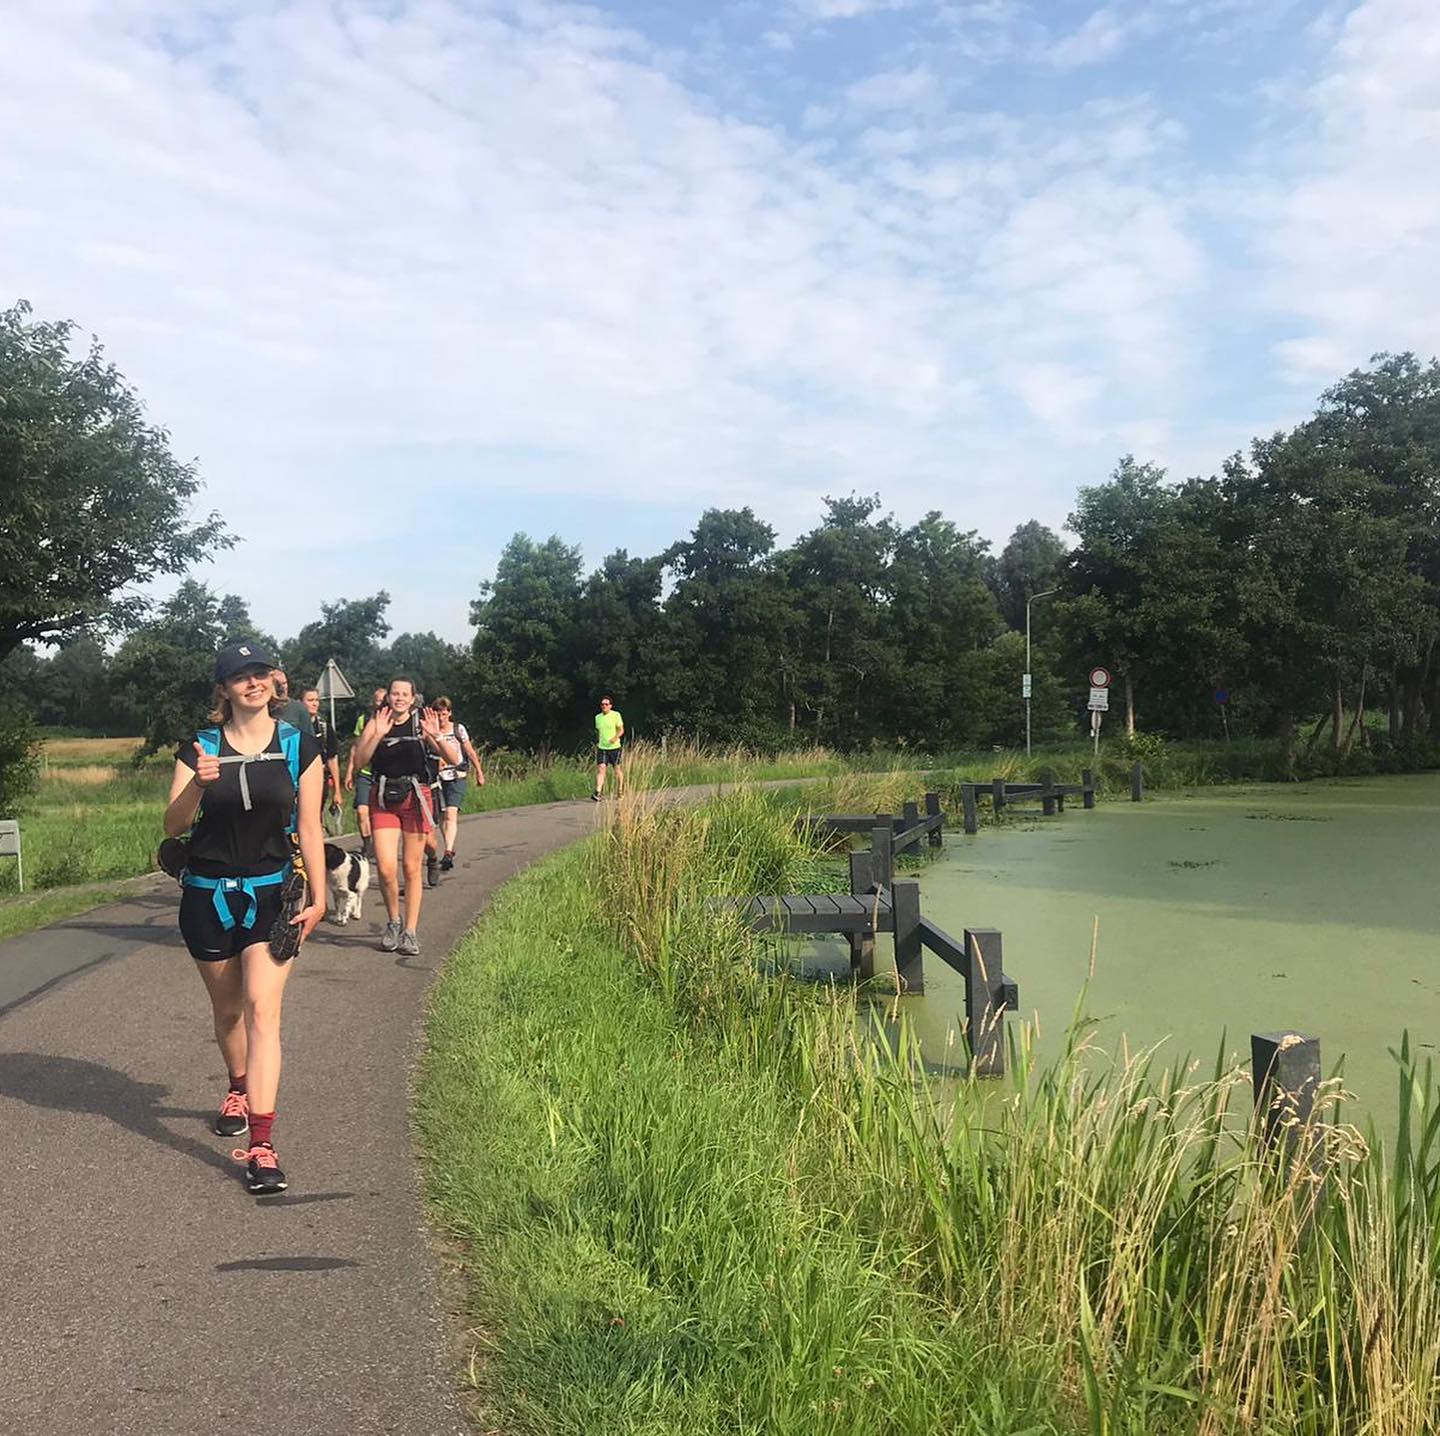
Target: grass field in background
{"type": "Point", "coordinates": [689, 1199]}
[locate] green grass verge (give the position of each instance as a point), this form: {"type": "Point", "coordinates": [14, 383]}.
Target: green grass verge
{"type": "Point", "coordinates": [688, 1198]}
{"type": "Point", "coordinates": [31, 910]}
{"type": "Point", "coordinates": [644, 1256]}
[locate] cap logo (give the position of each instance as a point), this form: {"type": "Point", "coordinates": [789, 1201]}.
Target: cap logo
{"type": "Point", "coordinates": [244, 650]}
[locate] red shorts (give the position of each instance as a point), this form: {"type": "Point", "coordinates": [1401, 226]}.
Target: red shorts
{"type": "Point", "coordinates": [412, 816]}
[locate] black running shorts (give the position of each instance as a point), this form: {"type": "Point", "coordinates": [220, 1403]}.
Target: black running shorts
{"type": "Point", "coordinates": [200, 923]}
{"type": "Point", "coordinates": [609, 755]}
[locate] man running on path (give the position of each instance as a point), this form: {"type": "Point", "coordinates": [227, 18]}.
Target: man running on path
{"type": "Point", "coordinates": [609, 734]}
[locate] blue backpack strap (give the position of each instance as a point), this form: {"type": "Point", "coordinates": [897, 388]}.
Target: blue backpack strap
{"type": "Point", "coordinates": [290, 747]}
{"type": "Point", "coordinates": [209, 740]}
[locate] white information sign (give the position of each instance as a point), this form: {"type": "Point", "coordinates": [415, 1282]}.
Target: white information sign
{"type": "Point", "coordinates": [10, 848]}
{"type": "Point", "coordinates": [1024, 685]}
{"type": "Point", "coordinates": [333, 683]}
{"type": "Point", "coordinates": [1099, 700]}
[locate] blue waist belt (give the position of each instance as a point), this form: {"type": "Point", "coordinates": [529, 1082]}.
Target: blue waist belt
{"type": "Point", "coordinates": [220, 886]}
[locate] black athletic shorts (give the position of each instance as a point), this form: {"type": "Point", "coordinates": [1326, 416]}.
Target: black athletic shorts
{"type": "Point", "coordinates": [609, 755]}
{"type": "Point", "coordinates": [200, 923]}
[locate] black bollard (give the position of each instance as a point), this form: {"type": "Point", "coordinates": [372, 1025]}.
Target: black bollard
{"type": "Point", "coordinates": [970, 808]}
{"type": "Point", "coordinates": [1087, 777]}
{"type": "Point", "coordinates": [932, 810]}
{"type": "Point", "coordinates": [882, 847]}
{"type": "Point", "coordinates": [862, 944]}
{"type": "Point", "coordinates": [984, 1001]}
{"type": "Point", "coordinates": [909, 954]}
{"type": "Point", "coordinates": [1137, 782]}
{"type": "Point", "coordinates": [1285, 1070]}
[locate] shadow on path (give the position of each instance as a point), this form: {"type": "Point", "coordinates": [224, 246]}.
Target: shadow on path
{"type": "Point", "coordinates": [68, 1084]}
{"type": "Point", "coordinates": [295, 1263]}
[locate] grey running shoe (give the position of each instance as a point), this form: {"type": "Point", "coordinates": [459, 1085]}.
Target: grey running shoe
{"type": "Point", "coordinates": [390, 938]}
{"type": "Point", "coordinates": [409, 945]}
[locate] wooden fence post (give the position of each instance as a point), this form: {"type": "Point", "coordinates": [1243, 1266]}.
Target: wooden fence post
{"type": "Point", "coordinates": [1047, 793]}
{"type": "Point", "coordinates": [1285, 1070]}
{"type": "Point", "coordinates": [1087, 777]}
{"type": "Point", "coordinates": [969, 807]}
{"type": "Point", "coordinates": [909, 954]}
{"type": "Point", "coordinates": [1137, 782]}
{"type": "Point", "coordinates": [997, 795]}
{"type": "Point", "coordinates": [932, 810]}
{"type": "Point", "coordinates": [882, 846]}
{"type": "Point", "coordinates": [862, 944]}
{"type": "Point", "coordinates": [909, 817]}
{"type": "Point", "coordinates": [984, 1010]}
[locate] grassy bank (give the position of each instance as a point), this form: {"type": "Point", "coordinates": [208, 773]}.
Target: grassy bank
{"type": "Point", "coordinates": [687, 1198]}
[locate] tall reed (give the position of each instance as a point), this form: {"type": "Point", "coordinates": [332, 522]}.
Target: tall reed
{"type": "Point", "coordinates": [1111, 1226]}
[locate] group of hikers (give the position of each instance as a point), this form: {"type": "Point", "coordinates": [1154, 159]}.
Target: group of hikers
{"type": "Point", "coordinates": [247, 797]}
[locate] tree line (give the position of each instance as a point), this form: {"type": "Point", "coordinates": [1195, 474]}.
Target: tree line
{"type": "Point", "coordinates": [1301, 582]}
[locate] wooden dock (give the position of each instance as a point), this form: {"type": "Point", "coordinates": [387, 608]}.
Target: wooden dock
{"type": "Point", "coordinates": [879, 902]}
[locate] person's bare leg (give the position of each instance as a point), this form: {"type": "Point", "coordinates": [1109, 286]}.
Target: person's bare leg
{"type": "Point", "coordinates": [224, 983]}
{"type": "Point", "coordinates": [387, 856]}
{"type": "Point", "coordinates": [619, 779]}
{"type": "Point", "coordinates": [414, 852]}
{"type": "Point", "coordinates": [264, 980]}
{"type": "Point", "coordinates": [362, 814]}
{"type": "Point", "coordinates": [600, 778]}
{"type": "Point", "coordinates": [452, 826]}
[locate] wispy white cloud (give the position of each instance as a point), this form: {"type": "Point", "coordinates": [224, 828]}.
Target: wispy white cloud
{"type": "Point", "coordinates": [1353, 239]}
{"type": "Point", "coordinates": [1102, 35]}
{"type": "Point", "coordinates": [822, 10]}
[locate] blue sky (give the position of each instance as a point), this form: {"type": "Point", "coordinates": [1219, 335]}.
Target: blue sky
{"type": "Point", "coordinates": [446, 269]}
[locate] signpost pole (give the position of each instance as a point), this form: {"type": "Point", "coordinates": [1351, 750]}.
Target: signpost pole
{"type": "Point", "coordinates": [1099, 703]}
{"type": "Point", "coordinates": [1027, 682]}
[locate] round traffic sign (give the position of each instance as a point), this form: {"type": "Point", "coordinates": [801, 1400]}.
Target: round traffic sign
{"type": "Point", "coordinates": [1099, 677]}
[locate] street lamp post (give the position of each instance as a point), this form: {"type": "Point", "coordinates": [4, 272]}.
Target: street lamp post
{"type": "Point", "coordinates": [1045, 594]}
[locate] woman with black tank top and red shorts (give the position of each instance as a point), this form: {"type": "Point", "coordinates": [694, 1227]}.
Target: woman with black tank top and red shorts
{"type": "Point", "coordinates": [243, 908]}
{"type": "Point", "coordinates": [396, 745]}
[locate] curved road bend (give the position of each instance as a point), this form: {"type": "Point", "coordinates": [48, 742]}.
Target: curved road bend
{"type": "Point", "coordinates": [141, 1289]}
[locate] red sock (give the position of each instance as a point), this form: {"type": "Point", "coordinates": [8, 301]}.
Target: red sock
{"type": "Point", "coordinates": [237, 1084]}
{"type": "Point", "coordinates": [260, 1124]}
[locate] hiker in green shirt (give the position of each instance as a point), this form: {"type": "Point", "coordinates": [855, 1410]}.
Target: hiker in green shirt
{"type": "Point", "coordinates": [609, 732]}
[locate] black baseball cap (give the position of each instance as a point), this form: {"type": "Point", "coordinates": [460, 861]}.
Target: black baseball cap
{"type": "Point", "coordinates": [237, 657]}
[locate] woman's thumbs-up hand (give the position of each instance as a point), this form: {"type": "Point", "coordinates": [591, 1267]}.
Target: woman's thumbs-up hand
{"type": "Point", "coordinates": [207, 767]}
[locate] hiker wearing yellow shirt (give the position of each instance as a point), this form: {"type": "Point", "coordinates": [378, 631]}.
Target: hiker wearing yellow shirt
{"type": "Point", "coordinates": [609, 733]}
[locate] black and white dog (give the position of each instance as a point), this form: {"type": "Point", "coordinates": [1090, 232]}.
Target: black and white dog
{"type": "Point", "coordinates": [348, 875]}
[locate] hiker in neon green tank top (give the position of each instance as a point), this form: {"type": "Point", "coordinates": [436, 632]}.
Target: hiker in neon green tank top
{"type": "Point", "coordinates": [609, 734]}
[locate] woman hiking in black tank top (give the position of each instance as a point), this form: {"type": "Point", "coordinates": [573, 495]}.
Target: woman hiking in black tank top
{"type": "Point", "coordinates": [396, 745]}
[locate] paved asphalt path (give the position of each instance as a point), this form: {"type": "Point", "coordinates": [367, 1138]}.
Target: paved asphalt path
{"type": "Point", "coordinates": [141, 1289]}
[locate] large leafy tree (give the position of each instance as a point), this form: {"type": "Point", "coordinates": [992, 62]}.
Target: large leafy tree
{"type": "Point", "coordinates": [92, 501]}
{"type": "Point", "coordinates": [1382, 427]}
{"type": "Point", "coordinates": [349, 631]}
{"type": "Point", "coordinates": [1032, 561]}
{"type": "Point", "coordinates": [620, 644]}
{"type": "Point", "coordinates": [941, 623]}
{"type": "Point", "coordinates": [521, 682]}
{"type": "Point", "coordinates": [434, 664]}
{"type": "Point", "coordinates": [726, 626]}
{"type": "Point", "coordinates": [838, 574]}
{"type": "Point", "coordinates": [1144, 584]}
{"type": "Point", "coordinates": [163, 674]}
